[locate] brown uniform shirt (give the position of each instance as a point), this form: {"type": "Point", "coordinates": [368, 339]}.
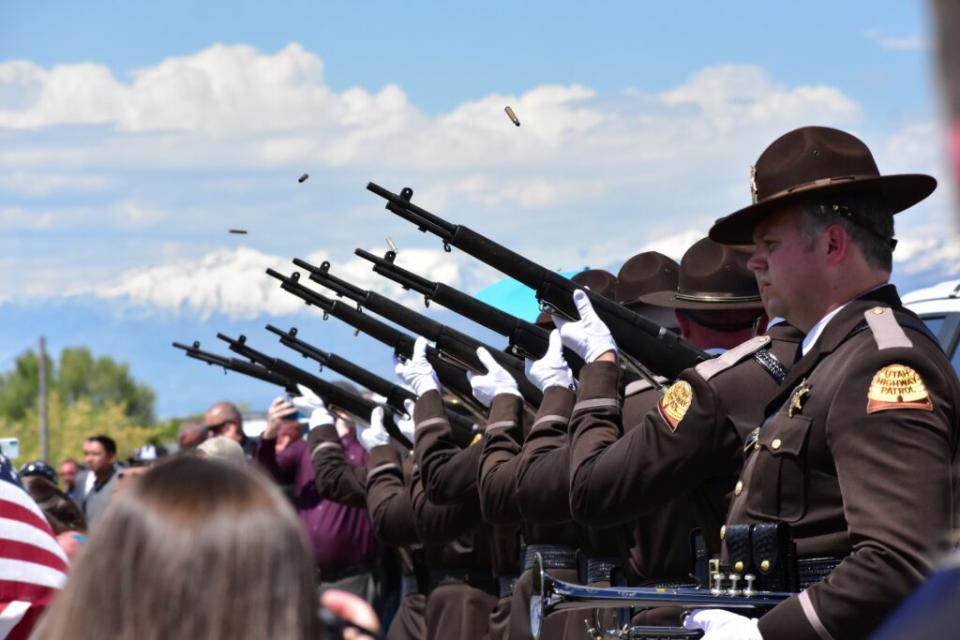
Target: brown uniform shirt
{"type": "Point", "coordinates": [696, 458]}
{"type": "Point", "coordinates": [856, 455]}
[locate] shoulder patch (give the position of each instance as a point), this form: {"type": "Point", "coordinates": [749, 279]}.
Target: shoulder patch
{"type": "Point", "coordinates": [897, 386]}
{"type": "Point", "coordinates": [886, 330]}
{"type": "Point", "coordinates": [638, 386]}
{"type": "Point", "coordinates": [709, 368]}
{"type": "Point", "coordinates": [674, 403]}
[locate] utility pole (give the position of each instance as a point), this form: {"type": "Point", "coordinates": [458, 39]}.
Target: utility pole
{"type": "Point", "coordinates": [42, 398]}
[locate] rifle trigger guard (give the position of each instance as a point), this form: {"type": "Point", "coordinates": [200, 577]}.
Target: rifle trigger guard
{"type": "Point", "coordinates": [426, 301]}
{"type": "Point", "coordinates": [326, 316]}
{"type": "Point", "coordinates": [446, 246]}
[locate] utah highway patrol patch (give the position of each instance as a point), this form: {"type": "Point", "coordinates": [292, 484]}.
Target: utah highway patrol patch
{"type": "Point", "coordinates": [675, 402]}
{"type": "Point", "coordinates": [897, 386]}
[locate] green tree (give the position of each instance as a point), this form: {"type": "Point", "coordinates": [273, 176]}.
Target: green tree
{"type": "Point", "coordinates": [79, 376]}
{"type": "Point", "coordinates": [19, 387]}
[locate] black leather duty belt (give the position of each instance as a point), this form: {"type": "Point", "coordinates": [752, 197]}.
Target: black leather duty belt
{"type": "Point", "coordinates": [602, 570]}
{"type": "Point", "coordinates": [554, 556]}
{"type": "Point", "coordinates": [476, 578]}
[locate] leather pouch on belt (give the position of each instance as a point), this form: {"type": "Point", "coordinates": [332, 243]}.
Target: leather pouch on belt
{"type": "Point", "coordinates": [774, 557]}
{"type": "Point", "coordinates": [739, 548]}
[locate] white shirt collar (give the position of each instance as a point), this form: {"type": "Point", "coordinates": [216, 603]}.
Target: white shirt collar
{"type": "Point", "coordinates": [814, 334]}
{"type": "Point", "coordinates": [775, 320]}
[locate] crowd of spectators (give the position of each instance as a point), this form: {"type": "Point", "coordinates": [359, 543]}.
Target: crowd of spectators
{"type": "Point", "coordinates": [226, 530]}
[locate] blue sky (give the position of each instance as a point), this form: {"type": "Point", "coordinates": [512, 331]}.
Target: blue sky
{"type": "Point", "coordinates": [133, 135]}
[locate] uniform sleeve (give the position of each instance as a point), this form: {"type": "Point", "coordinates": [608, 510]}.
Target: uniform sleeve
{"type": "Point", "coordinates": [614, 479]}
{"type": "Point", "coordinates": [336, 479]}
{"type": "Point", "coordinates": [448, 472]}
{"type": "Point", "coordinates": [497, 480]}
{"type": "Point", "coordinates": [388, 499]}
{"type": "Point", "coordinates": [439, 524]}
{"type": "Point", "coordinates": [542, 481]}
{"type": "Point", "coordinates": [893, 465]}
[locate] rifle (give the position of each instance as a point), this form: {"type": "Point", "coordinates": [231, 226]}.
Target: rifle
{"type": "Point", "coordinates": [239, 366]}
{"type": "Point", "coordinates": [450, 342]}
{"type": "Point", "coordinates": [394, 393]}
{"type": "Point", "coordinates": [334, 395]}
{"type": "Point", "coordinates": [526, 339]}
{"type": "Point", "coordinates": [451, 376]}
{"type": "Point", "coordinates": [638, 338]}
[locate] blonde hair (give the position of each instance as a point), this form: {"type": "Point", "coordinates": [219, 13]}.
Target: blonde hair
{"type": "Point", "coordinates": [196, 549]}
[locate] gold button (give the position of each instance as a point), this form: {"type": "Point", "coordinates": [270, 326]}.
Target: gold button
{"type": "Point", "coordinates": [776, 443]}
{"type": "Point", "coordinates": [765, 566]}
{"type": "Point", "coordinates": [878, 311]}
{"type": "Point", "coordinates": [737, 490]}
{"type": "Point", "coordinates": [723, 532]}
{"type": "Point", "coordinates": [738, 567]}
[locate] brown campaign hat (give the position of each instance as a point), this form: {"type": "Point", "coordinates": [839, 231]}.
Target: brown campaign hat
{"type": "Point", "coordinates": [645, 273]}
{"type": "Point", "coordinates": [712, 277]}
{"type": "Point", "coordinates": [597, 280]}
{"type": "Point", "coordinates": [816, 162]}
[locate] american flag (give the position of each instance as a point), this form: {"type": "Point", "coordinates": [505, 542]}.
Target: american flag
{"type": "Point", "coordinates": [32, 564]}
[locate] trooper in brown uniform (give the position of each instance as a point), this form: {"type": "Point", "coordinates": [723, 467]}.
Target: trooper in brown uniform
{"type": "Point", "coordinates": [856, 455]}
{"type": "Point", "coordinates": [556, 541]}
{"type": "Point", "coordinates": [427, 536]}
{"type": "Point", "coordinates": [616, 478]}
{"type": "Point", "coordinates": [449, 476]}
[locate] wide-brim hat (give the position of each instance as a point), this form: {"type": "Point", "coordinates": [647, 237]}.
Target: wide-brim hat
{"type": "Point", "coordinates": [816, 162]}
{"type": "Point", "coordinates": [597, 280]}
{"type": "Point", "coordinates": [713, 277]}
{"type": "Point", "coordinates": [645, 273]}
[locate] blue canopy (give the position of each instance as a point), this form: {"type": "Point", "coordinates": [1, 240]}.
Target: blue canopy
{"type": "Point", "coordinates": [515, 298]}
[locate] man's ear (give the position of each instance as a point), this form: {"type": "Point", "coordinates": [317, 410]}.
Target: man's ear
{"type": "Point", "coordinates": [836, 242]}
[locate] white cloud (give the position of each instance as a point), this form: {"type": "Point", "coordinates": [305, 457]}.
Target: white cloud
{"type": "Point", "coordinates": [44, 184]}
{"type": "Point", "coordinates": [897, 43]}
{"type": "Point", "coordinates": [234, 281]}
{"type": "Point", "coordinates": [194, 140]}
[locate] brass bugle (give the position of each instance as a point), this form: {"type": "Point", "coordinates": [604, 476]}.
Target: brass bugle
{"type": "Point", "coordinates": [550, 595]}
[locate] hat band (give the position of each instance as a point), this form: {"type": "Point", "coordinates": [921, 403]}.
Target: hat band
{"type": "Point", "coordinates": [816, 184]}
{"type": "Point", "coordinates": [698, 296]}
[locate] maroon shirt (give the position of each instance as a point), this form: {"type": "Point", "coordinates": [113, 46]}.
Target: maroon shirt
{"type": "Point", "coordinates": [342, 536]}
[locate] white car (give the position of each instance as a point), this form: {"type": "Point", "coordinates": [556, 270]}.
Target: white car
{"type": "Point", "coordinates": [939, 306]}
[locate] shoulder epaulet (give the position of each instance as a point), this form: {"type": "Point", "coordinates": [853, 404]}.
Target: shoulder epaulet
{"type": "Point", "coordinates": [886, 331]}
{"type": "Point", "coordinates": [709, 368]}
{"type": "Point", "coordinates": [643, 384]}
{"type": "Point", "coordinates": [887, 326]}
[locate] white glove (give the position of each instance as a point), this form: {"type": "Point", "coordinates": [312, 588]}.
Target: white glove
{"type": "Point", "coordinates": [552, 369]}
{"type": "Point", "coordinates": [494, 382]}
{"type": "Point", "coordinates": [718, 624]}
{"type": "Point", "coordinates": [588, 337]}
{"type": "Point", "coordinates": [311, 404]}
{"type": "Point", "coordinates": [416, 371]}
{"type": "Point", "coordinates": [374, 435]}
{"type": "Point", "coordinates": [407, 425]}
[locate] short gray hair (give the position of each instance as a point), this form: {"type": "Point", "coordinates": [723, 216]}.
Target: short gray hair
{"type": "Point", "coordinates": [867, 218]}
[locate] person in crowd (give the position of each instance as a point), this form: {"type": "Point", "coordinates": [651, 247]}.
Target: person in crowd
{"type": "Point", "coordinates": [69, 468]}
{"type": "Point", "coordinates": [190, 434]}
{"type": "Point", "coordinates": [100, 454]}
{"type": "Point", "coordinates": [140, 462]}
{"type": "Point", "coordinates": [224, 419]}
{"type": "Point", "coordinates": [62, 513]}
{"type": "Point", "coordinates": [345, 549]}
{"type": "Point", "coordinates": [222, 448]}
{"type": "Point", "coordinates": [213, 550]}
